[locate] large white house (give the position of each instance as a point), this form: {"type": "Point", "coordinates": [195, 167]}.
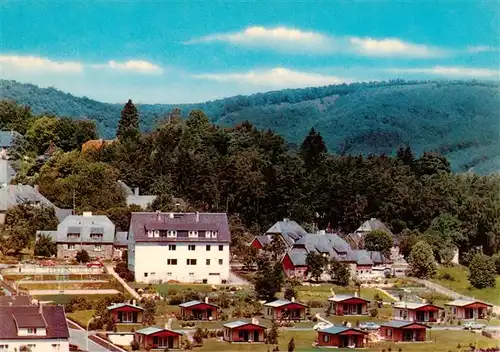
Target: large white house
{"type": "Point", "coordinates": [184, 247]}
{"type": "Point", "coordinates": [36, 328]}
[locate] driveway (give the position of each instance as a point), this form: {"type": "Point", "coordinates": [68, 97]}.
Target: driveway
{"type": "Point", "coordinates": [237, 280]}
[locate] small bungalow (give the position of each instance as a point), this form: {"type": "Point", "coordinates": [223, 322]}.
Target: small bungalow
{"type": "Point", "coordinates": [348, 305]}
{"type": "Point", "coordinates": [124, 313]}
{"type": "Point", "coordinates": [242, 331]}
{"type": "Point", "coordinates": [341, 336]}
{"type": "Point", "coordinates": [197, 310]}
{"type": "Point", "coordinates": [158, 338]}
{"type": "Point", "coordinates": [283, 309]}
{"type": "Point", "coordinates": [399, 330]}
{"type": "Point", "coordinates": [467, 309]}
{"type": "Point", "coordinates": [415, 311]}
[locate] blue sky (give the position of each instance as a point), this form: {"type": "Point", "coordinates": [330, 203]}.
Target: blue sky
{"type": "Point", "coordinates": [191, 51]}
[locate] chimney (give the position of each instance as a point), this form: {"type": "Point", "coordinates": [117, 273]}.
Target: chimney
{"type": "Point", "coordinates": [136, 191]}
{"type": "Point", "coordinates": [168, 324]}
{"type": "Point", "coordinates": [255, 321]}
{"type": "Point", "coordinates": [206, 300]}
{"type": "Point", "coordinates": [133, 302]}
{"type": "Point", "coordinates": [37, 188]}
{"type": "Point", "coordinates": [87, 214]}
{"type": "Point", "coordinates": [158, 215]}
{"type": "Point", "coordinates": [171, 215]}
{"type": "Point", "coordinates": [293, 299]}
{"type": "Point", "coordinates": [10, 304]}
{"type": "Point", "coordinates": [356, 294]}
{"type": "Point", "coordinates": [197, 217]}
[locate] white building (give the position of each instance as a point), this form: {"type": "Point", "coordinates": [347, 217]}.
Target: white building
{"type": "Point", "coordinates": [185, 247]}
{"type": "Point", "coordinates": [38, 328]}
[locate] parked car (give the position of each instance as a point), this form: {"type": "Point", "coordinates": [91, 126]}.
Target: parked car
{"type": "Point", "coordinates": [473, 325]}
{"type": "Point", "coordinates": [95, 264]}
{"type": "Point", "coordinates": [368, 325]}
{"type": "Point", "coordinates": [47, 263]}
{"type": "Point", "coordinates": [321, 325]}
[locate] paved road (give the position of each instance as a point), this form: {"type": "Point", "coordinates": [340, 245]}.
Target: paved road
{"type": "Point", "coordinates": [237, 280]}
{"type": "Point", "coordinates": [79, 338]}
{"type": "Point", "coordinates": [73, 292]}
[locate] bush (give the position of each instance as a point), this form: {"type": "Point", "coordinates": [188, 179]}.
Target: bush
{"type": "Point", "coordinates": [198, 337]}
{"type": "Point", "coordinates": [135, 346]}
{"type": "Point", "coordinates": [447, 277]}
{"type": "Point", "coordinates": [82, 256]}
{"type": "Point", "coordinates": [373, 312]}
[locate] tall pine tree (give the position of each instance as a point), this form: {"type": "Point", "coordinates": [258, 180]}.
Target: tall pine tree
{"type": "Point", "coordinates": [128, 126]}
{"type": "Point", "coordinates": [313, 150]}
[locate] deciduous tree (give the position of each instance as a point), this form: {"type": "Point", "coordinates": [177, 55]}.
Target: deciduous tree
{"type": "Point", "coordinates": [421, 261]}
{"type": "Point", "coordinates": [482, 271]}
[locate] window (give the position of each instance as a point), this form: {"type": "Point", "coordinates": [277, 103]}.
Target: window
{"type": "Point", "coordinates": [172, 247]}
{"type": "Point", "coordinates": [269, 311]}
{"type": "Point", "coordinates": [150, 233]}
{"type": "Point", "coordinates": [145, 274]}
{"type": "Point", "coordinates": [31, 331]}
{"type": "Point", "coordinates": [4, 347]}
{"type": "Point", "coordinates": [208, 234]}
{"type": "Point", "coordinates": [208, 248]}
{"type": "Point", "coordinates": [73, 235]}
{"type": "Point", "coordinates": [388, 332]}
{"type": "Point", "coordinates": [169, 274]}
{"type": "Point", "coordinates": [156, 233]}
{"type": "Point", "coordinates": [221, 248]}
{"type": "Point", "coordinates": [326, 338]}
{"type": "Point", "coordinates": [193, 234]}
{"type": "Point", "coordinates": [97, 248]}
{"type": "Point", "coordinates": [214, 234]}
{"type": "Point", "coordinates": [171, 233]}
{"type": "Point", "coordinates": [71, 247]}
{"type": "Point", "coordinates": [208, 261]}
{"type": "Point", "coordinates": [96, 236]}
{"type": "Point", "coordinates": [171, 261]}
{"type": "Point", "coordinates": [191, 247]}
{"type": "Point", "coordinates": [220, 261]}
{"type": "Point", "coordinates": [31, 346]}
{"type": "Point", "coordinates": [454, 310]}
{"type": "Point", "coordinates": [190, 261]}
{"type": "Point", "coordinates": [56, 346]}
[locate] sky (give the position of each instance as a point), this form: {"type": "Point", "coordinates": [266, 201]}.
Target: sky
{"type": "Point", "coordinates": [193, 51]}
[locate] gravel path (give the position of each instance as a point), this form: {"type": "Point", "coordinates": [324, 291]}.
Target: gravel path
{"type": "Point", "coordinates": [129, 289]}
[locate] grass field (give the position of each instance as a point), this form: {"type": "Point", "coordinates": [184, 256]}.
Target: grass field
{"type": "Point", "coordinates": [323, 291]}
{"type": "Point", "coordinates": [461, 285]}
{"type": "Point", "coordinates": [441, 341]}
{"type": "Point", "coordinates": [81, 317]}
{"type": "Point", "coordinates": [63, 299]}
{"type": "Point", "coordinates": [165, 288]}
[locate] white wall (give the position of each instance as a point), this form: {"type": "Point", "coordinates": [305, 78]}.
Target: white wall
{"type": "Point", "coordinates": [121, 339]}
{"type": "Point", "coordinates": [39, 345]}
{"type": "Point", "coordinates": [151, 258]}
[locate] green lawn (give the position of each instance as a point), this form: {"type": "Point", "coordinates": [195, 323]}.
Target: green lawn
{"type": "Point", "coordinates": [63, 299]}
{"type": "Point", "coordinates": [441, 341]}
{"type": "Point", "coordinates": [81, 317]}
{"type": "Point", "coordinates": [323, 291]}
{"type": "Point", "coordinates": [461, 284]}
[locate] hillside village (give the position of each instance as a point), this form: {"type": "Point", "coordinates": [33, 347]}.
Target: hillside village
{"type": "Point", "coordinates": [195, 237]}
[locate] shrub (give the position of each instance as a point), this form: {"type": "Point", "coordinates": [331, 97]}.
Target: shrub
{"type": "Point", "coordinates": [447, 277]}
{"type": "Point", "coordinates": [198, 337]}
{"type": "Point", "coordinates": [135, 346]}
{"type": "Point", "coordinates": [373, 312]}
{"type": "Point", "coordinates": [82, 256]}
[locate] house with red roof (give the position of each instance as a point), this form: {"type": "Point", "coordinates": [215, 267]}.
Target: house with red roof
{"type": "Point", "coordinates": [401, 330]}
{"type": "Point", "coordinates": [283, 309]}
{"type": "Point", "coordinates": [36, 327]}
{"type": "Point", "coordinates": [158, 338]}
{"type": "Point", "coordinates": [341, 336]}
{"type": "Point", "coordinates": [348, 305]}
{"type": "Point", "coordinates": [467, 309]}
{"type": "Point", "coordinates": [416, 311]}
{"type": "Point", "coordinates": [196, 310]}
{"type": "Point", "coordinates": [125, 313]}
{"type": "Point", "coordinates": [244, 332]}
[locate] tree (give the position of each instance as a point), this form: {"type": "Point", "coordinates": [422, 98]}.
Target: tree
{"type": "Point", "coordinates": [45, 247]}
{"type": "Point", "coordinates": [407, 240]}
{"type": "Point", "coordinates": [496, 260]}
{"type": "Point", "coordinates": [128, 126]}
{"type": "Point", "coordinates": [446, 254]}
{"type": "Point", "coordinates": [276, 248]}
{"type": "Point", "coordinates": [82, 256]}
{"type": "Point", "coordinates": [148, 317]}
{"type": "Point", "coordinates": [379, 241]}
{"type": "Point", "coordinates": [432, 163]}
{"type": "Point", "coordinates": [315, 265]}
{"type": "Point", "coordinates": [198, 336]}
{"type": "Point", "coordinates": [405, 155]}
{"type": "Point", "coordinates": [421, 261]}
{"type": "Point", "coordinates": [290, 292]}
{"type": "Point", "coordinates": [313, 150]}
{"type": "Point", "coordinates": [482, 271]}
{"type": "Point", "coordinates": [272, 335]}
{"type": "Point", "coordinates": [291, 345]}
{"type": "Point", "coordinates": [339, 273]}
{"type": "Point", "coordinates": [268, 279]}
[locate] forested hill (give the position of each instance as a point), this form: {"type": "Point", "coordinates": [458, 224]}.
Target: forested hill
{"type": "Point", "coordinates": [459, 119]}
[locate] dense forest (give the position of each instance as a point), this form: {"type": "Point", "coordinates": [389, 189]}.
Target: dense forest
{"type": "Point", "coordinates": [256, 177]}
{"type": "Point", "coordinates": [457, 119]}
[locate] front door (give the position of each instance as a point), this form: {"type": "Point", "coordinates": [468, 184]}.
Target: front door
{"type": "Point", "coordinates": [243, 335]}
{"type": "Point", "coordinates": [256, 336]}
{"type": "Point", "coordinates": [344, 341]}
{"type": "Point", "coordinates": [360, 308]}
{"type": "Point", "coordinates": [209, 313]}
{"type": "Point", "coordinates": [170, 342]}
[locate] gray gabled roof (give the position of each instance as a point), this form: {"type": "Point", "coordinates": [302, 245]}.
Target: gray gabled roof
{"type": "Point", "coordinates": [7, 138]}
{"type": "Point", "coordinates": [85, 225]}
{"type": "Point", "coordinates": [289, 230]}
{"type": "Point", "coordinates": [373, 224]}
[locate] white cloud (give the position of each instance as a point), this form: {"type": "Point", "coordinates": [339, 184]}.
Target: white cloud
{"type": "Point", "coordinates": [139, 66]}
{"type": "Point", "coordinates": [279, 38]}
{"type": "Point", "coordinates": [392, 47]}
{"type": "Point", "coordinates": [450, 71]}
{"type": "Point", "coordinates": [481, 49]}
{"type": "Point", "coordinates": [299, 41]}
{"type": "Point", "coordinates": [38, 64]}
{"type": "Point", "coordinates": [277, 77]}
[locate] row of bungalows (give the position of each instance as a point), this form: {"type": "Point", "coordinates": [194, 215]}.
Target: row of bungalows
{"type": "Point", "coordinates": [299, 243]}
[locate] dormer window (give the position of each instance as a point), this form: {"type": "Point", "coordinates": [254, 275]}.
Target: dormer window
{"type": "Point", "coordinates": [73, 235]}
{"type": "Point", "coordinates": [96, 236]}
{"type": "Point", "coordinates": [193, 234]}
{"type": "Point", "coordinates": [210, 234]}
{"type": "Point", "coordinates": [156, 233]}
{"type": "Point", "coordinates": [171, 233]}
{"type": "Point", "coordinates": [214, 234]}
{"type": "Point", "coordinates": [150, 233]}
{"type": "Point", "coordinates": [31, 331]}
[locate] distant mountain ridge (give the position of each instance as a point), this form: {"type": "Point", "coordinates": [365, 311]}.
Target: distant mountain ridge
{"type": "Point", "coordinates": [460, 119]}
